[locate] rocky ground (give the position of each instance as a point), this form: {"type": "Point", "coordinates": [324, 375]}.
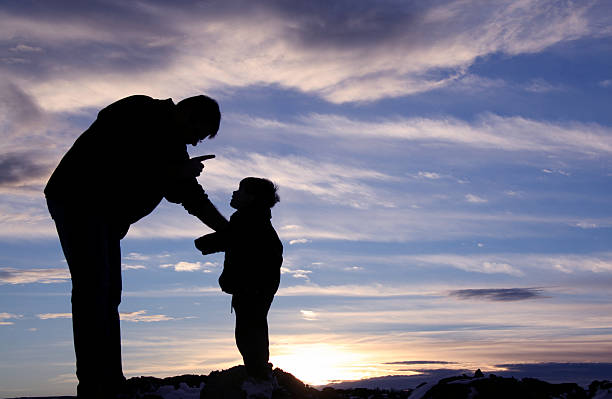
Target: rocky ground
{"type": "Point", "coordinates": [234, 384]}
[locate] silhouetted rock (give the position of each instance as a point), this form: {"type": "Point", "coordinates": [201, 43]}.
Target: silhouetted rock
{"type": "Point", "coordinates": [600, 390]}
{"type": "Point", "coordinates": [479, 387]}
{"type": "Point", "coordinates": [234, 383]}
{"type": "Point", "coordinates": [156, 388]}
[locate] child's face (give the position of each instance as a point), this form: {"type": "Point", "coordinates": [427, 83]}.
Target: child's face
{"type": "Point", "coordinates": [241, 198]}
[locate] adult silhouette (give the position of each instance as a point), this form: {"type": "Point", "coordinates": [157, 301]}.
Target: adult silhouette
{"type": "Point", "coordinates": [131, 157]}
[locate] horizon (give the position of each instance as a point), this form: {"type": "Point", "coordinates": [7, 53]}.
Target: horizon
{"type": "Point", "coordinates": [444, 172]}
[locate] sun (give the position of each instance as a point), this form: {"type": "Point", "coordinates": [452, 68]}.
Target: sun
{"type": "Point", "coordinates": [319, 364]}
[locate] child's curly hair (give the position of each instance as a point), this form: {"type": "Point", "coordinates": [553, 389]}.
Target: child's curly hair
{"type": "Point", "coordinates": [264, 191]}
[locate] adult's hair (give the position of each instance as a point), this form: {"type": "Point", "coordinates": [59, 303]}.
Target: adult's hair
{"type": "Point", "coordinates": [264, 191]}
{"type": "Point", "coordinates": [202, 110]}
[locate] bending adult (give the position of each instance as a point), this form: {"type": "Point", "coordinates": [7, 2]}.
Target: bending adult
{"type": "Point", "coordinates": [116, 172]}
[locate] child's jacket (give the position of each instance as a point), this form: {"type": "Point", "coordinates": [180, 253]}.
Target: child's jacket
{"type": "Point", "coordinates": [253, 252]}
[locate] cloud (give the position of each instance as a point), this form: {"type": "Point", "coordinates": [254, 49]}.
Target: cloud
{"type": "Point", "coordinates": [9, 275]}
{"type": "Point", "coordinates": [488, 131]}
{"type": "Point", "coordinates": [475, 199]}
{"type": "Point", "coordinates": [137, 256]}
{"type": "Point", "coordinates": [17, 168]}
{"type": "Point", "coordinates": [309, 315]}
{"type": "Point", "coordinates": [317, 221]}
{"type": "Point", "coordinates": [174, 292]}
{"type": "Point", "coordinates": [8, 316]}
{"type": "Point", "coordinates": [499, 294]}
{"type": "Point", "coordinates": [542, 86]}
{"type": "Point", "coordinates": [354, 51]}
{"type": "Point", "coordinates": [51, 316]}
{"type": "Point", "coordinates": [606, 83]}
{"type": "Point", "coordinates": [140, 317]}
{"type": "Point", "coordinates": [19, 111]}
{"type": "Point", "coordinates": [25, 48]}
{"type": "Point", "coordinates": [349, 290]}
{"type": "Point", "coordinates": [493, 264]}
{"type": "Point", "coordinates": [411, 362]}
{"type": "Point", "coordinates": [191, 266]}
{"type": "Point", "coordinates": [135, 317]}
{"type": "Point", "coordinates": [297, 273]}
{"type": "Point", "coordinates": [299, 241]}
{"type": "Point", "coordinates": [330, 181]}
{"type": "Point", "coordinates": [429, 175]}
{"type": "Point", "coordinates": [125, 266]}
{"type": "Point", "coordinates": [587, 225]}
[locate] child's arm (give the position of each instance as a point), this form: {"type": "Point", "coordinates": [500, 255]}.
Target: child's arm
{"type": "Point", "coordinates": [211, 243]}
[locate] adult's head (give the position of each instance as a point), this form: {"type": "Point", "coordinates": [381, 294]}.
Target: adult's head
{"type": "Point", "coordinates": [200, 117]}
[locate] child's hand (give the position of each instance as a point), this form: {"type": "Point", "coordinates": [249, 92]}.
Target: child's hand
{"type": "Point", "coordinates": [208, 244]}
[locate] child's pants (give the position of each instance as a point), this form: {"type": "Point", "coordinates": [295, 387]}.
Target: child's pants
{"type": "Point", "coordinates": [252, 331]}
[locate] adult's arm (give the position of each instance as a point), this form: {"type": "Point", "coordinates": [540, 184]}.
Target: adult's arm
{"type": "Point", "coordinates": [201, 207]}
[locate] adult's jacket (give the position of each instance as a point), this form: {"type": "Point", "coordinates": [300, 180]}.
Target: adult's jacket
{"type": "Point", "coordinates": [126, 162]}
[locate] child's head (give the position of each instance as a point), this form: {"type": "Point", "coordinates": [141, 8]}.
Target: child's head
{"type": "Point", "coordinates": [255, 192]}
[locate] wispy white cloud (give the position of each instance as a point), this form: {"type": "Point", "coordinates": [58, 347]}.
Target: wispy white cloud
{"type": "Point", "coordinates": [9, 275]}
{"type": "Point", "coordinates": [125, 266]}
{"type": "Point", "coordinates": [349, 290]}
{"type": "Point", "coordinates": [478, 263]}
{"type": "Point", "coordinates": [4, 317]}
{"type": "Point", "coordinates": [299, 241]}
{"type": "Point", "coordinates": [296, 273]}
{"type": "Point", "coordinates": [191, 266]}
{"type": "Point", "coordinates": [137, 256]}
{"type": "Point", "coordinates": [333, 182]}
{"type": "Point", "coordinates": [25, 48]}
{"type": "Point", "coordinates": [517, 264]}
{"type": "Point", "coordinates": [490, 131]}
{"type": "Point", "coordinates": [135, 317]}
{"type": "Point", "coordinates": [140, 316]}
{"type": "Point", "coordinates": [475, 199]}
{"type": "Point", "coordinates": [429, 175]}
{"type": "Point", "coordinates": [583, 224]}
{"type": "Point", "coordinates": [52, 316]}
{"type": "Point", "coordinates": [309, 314]}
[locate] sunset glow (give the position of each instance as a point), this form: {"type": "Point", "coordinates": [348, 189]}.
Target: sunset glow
{"type": "Point", "coordinates": [319, 364]}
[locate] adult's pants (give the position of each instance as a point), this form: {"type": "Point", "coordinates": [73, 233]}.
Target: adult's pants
{"type": "Point", "coordinates": [91, 246]}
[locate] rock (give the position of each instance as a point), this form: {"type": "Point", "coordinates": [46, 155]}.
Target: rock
{"type": "Point", "coordinates": [600, 390]}
{"type": "Point", "coordinates": [235, 383]}
{"type": "Point", "coordinates": [464, 387]}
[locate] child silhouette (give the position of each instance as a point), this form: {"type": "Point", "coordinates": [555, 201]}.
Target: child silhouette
{"type": "Point", "coordinates": [251, 270]}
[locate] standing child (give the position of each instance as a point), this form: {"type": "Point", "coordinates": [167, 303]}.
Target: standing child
{"type": "Point", "coordinates": [251, 270]}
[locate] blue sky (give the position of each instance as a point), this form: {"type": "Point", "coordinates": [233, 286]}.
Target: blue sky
{"type": "Point", "coordinates": [444, 172]}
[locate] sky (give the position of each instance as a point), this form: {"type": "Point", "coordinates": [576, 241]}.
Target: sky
{"type": "Point", "coordinates": [444, 167]}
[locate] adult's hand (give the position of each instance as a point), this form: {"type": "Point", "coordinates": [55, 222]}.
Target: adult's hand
{"type": "Point", "coordinates": [194, 166]}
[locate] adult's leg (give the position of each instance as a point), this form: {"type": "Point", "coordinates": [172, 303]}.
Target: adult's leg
{"type": "Point", "coordinates": [92, 250]}
{"type": "Point", "coordinates": [251, 331]}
